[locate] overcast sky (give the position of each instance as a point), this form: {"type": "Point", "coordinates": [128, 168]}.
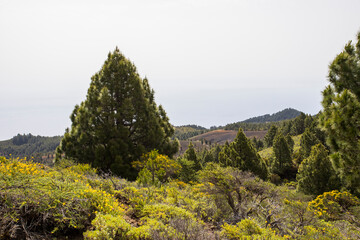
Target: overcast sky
{"type": "Point", "coordinates": [210, 62]}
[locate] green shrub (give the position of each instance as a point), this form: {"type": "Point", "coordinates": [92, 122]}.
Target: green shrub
{"type": "Point", "coordinates": [247, 229]}
{"type": "Point", "coordinates": [107, 227]}
{"type": "Point", "coordinates": [45, 200]}
{"type": "Point", "coordinates": [334, 205]}
{"type": "Point", "coordinates": [157, 168]}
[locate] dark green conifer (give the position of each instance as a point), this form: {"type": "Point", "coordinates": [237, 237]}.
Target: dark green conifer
{"type": "Point", "coordinates": [307, 140]}
{"type": "Point", "coordinates": [190, 154]}
{"type": "Point", "coordinates": [316, 175]}
{"type": "Point", "coordinates": [118, 121]}
{"type": "Point", "coordinates": [298, 126]}
{"type": "Point", "coordinates": [257, 143]}
{"type": "Point", "coordinates": [242, 155]}
{"type": "Point", "coordinates": [270, 135]}
{"type": "Point", "coordinates": [341, 115]}
{"type": "Point", "coordinates": [281, 163]}
{"type": "Point", "coordinates": [290, 142]}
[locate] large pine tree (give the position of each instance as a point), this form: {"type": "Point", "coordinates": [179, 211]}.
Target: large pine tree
{"type": "Point", "coordinates": [118, 121]}
{"type": "Point", "coordinates": [341, 115]}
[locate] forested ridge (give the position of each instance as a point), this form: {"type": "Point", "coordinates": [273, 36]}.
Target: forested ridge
{"type": "Point", "coordinates": [115, 175]}
{"type": "Point", "coordinates": [188, 131]}
{"type": "Point", "coordinates": [288, 113]}
{"type": "Point", "coordinates": [28, 145]}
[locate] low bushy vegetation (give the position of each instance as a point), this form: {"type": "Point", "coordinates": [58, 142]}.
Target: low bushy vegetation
{"type": "Point", "coordinates": [37, 201]}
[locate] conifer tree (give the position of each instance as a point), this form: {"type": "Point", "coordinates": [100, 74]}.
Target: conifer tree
{"type": "Point", "coordinates": [341, 115]}
{"type": "Point", "coordinates": [307, 140]}
{"type": "Point", "coordinates": [290, 142]}
{"type": "Point", "coordinates": [187, 172]}
{"type": "Point", "coordinates": [242, 155]}
{"type": "Point", "coordinates": [223, 155]}
{"type": "Point", "coordinates": [257, 143]}
{"type": "Point", "coordinates": [190, 154]}
{"type": "Point", "coordinates": [270, 135]}
{"type": "Point", "coordinates": [298, 126]}
{"type": "Point", "coordinates": [118, 121]}
{"type": "Point", "coordinates": [281, 163]}
{"type": "Point", "coordinates": [286, 128]}
{"type": "Point", "coordinates": [216, 151]}
{"type": "Point", "coordinates": [206, 156]}
{"type": "Point", "coordinates": [316, 174]}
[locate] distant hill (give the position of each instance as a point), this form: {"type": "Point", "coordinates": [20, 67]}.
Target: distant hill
{"type": "Point", "coordinates": [188, 131]}
{"type": "Point", "coordinates": [28, 145]}
{"type": "Point", "coordinates": [288, 113]}
{"type": "Point", "coordinates": [262, 123]}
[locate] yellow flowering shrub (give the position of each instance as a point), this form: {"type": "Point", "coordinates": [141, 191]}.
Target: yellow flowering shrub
{"type": "Point", "coordinates": [165, 211]}
{"type": "Point", "coordinates": [191, 198]}
{"type": "Point", "coordinates": [59, 199]}
{"type": "Point", "coordinates": [248, 229]}
{"type": "Point", "coordinates": [331, 205]}
{"type": "Point", "coordinates": [109, 227]}
{"type": "Point", "coordinates": [324, 230]}
{"type": "Point", "coordinates": [18, 168]}
{"type": "Point", "coordinates": [162, 221]}
{"type": "Point", "coordinates": [70, 198]}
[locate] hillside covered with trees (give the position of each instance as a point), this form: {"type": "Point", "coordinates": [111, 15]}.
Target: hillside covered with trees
{"type": "Point", "coordinates": [188, 131]}
{"type": "Point", "coordinates": [116, 177]}
{"type": "Point", "coordinates": [28, 145]}
{"type": "Point", "coordinates": [288, 113]}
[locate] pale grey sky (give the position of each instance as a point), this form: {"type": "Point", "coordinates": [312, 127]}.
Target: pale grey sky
{"type": "Point", "coordinates": [210, 62]}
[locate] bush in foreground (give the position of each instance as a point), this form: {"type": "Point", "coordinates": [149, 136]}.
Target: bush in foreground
{"type": "Point", "coordinates": [73, 200]}
{"type": "Point", "coordinates": [38, 201]}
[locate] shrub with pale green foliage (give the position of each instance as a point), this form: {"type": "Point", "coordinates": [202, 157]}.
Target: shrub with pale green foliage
{"type": "Point", "coordinates": [71, 200]}
{"type": "Point", "coordinates": [38, 200]}
{"type": "Point", "coordinates": [156, 168]}
{"type": "Point", "coordinates": [335, 205]}
{"type": "Point", "coordinates": [108, 227]}
{"type": "Point", "coordinates": [247, 229]}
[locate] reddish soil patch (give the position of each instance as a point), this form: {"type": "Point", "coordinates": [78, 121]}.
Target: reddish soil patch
{"type": "Point", "coordinates": [221, 136]}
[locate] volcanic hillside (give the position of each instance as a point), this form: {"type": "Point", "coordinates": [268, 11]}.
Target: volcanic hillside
{"type": "Point", "coordinates": [221, 136]}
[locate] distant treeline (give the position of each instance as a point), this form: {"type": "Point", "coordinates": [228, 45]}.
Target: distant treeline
{"type": "Point", "coordinates": [188, 131]}
{"type": "Point", "coordinates": [293, 127]}
{"type": "Point", "coordinates": [28, 145]}
{"type": "Point", "coordinates": [288, 113]}
{"type": "Point", "coordinates": [251, 126]}
{"type": "Point", "coordinates": [197, 127]}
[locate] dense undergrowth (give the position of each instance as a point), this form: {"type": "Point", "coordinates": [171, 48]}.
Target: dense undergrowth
{"type": "Point", "coordinates": [74, 200]}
